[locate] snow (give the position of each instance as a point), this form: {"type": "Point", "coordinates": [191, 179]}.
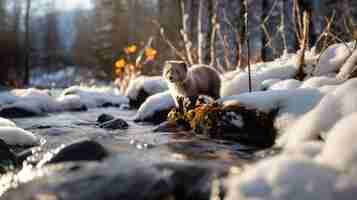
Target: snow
{"type": "Point", "coordinates": [282, 68]}
{"type": "Point", "coordinates": [289, 103]}
{"type": "Point", "coordinates": [285, 85]}
{"type": "Point", "coordinates": [69, 102]}
{"type": "Point", "coordinates": [151, 85]}
{"type": "Point", "coordinates": [349, 67]}
{"type": "Point", "coordinates": [93, 97]}
{"type": "Point", "coordinates": [13, 135]}
{"type": "Point", "coordinates": [6, 123]}
{"type": "Point", "coordinates": [340, 149]}
{"type": "Point", "coordinates": [317, 82]}
{"type": "Point", "coordinates": [288, 178]}
{"type": "Point", "coordinates": [333, 58]}
{"type": "Point", "coordinates": [268, 83]}
{"type": "Point", "coordinates": [17, 136]}
{"type": "Point", "coordinates": [333, 107]}
{"type": "Point", "coordinates": [154, 104]}
{"type": "Point", "coordinates": [306, 149]}
{"type": "Point", "coordinates": [7, 98]}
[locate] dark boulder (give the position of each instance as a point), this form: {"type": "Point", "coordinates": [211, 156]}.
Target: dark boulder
{"type": "Point", "coordinates": [128, 179]}
{"type": "Point", "coordinates": [16, 112]}
{"type": "Point", "coordinates": [85, 150]}
{"type": "Point", "coordinates": [8, 158]}
{"type": "Point", "coordinates": [115, 124]}
{"type": "Point", "coordinates": [104, 118]}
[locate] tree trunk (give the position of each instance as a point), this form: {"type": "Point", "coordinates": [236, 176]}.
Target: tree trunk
{"type": "Point", "coordinates": [264, 40]}
{"type": "Point", "coordinates": [27, 43]}
{"type": "Point", "coordinates": [187, 7]}
{"type": "Point", "coordinates": [204, 30]}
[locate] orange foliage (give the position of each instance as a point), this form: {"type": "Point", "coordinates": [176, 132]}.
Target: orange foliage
{"type": "Point", "coordinates": [125, 70]}
{"type": "Point", "coordinates": [150, 54]}
{"type": "Point", "coordinates": [130, 49]}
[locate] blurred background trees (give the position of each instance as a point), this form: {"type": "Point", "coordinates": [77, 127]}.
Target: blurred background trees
{"type": "Point", "coordinates": [45, 36]}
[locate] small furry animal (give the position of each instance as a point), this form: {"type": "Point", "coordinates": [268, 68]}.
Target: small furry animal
{"type": "Point", "coordinates": [191, 82]}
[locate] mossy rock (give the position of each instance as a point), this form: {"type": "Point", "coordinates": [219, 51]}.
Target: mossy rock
{"type": "Point", "coordinates": [233, 122]}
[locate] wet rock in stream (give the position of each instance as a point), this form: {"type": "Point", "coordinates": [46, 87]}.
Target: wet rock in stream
{"type": "Point", "coordinates": [17, 112]}
{"type": "Point", "coordinates": [84, 150]}
{"type": "Point", "coordinates": [104, 118]}
{"type": "Point", "coordinates": [115, 124]}
{"type": "Point", "coordinates": [7, 157]}
{"type": "Point", "coordinates": [124, 178]}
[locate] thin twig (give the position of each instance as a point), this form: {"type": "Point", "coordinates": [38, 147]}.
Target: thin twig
{"type": "Point", "coordinates": [168, 42]}
{"type": "Point", "coordinates": [188, 46]}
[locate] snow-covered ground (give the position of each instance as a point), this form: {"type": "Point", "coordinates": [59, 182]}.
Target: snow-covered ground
{"type": "Point", "coordinates": [315, 121]}
{"type": "Point", "coordinates": [74, 98]}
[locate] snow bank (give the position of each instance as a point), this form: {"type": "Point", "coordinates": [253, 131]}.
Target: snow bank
{"type": "Point", "coordinates": [285, 85]}
{"type": "Point", "coordinates": [93, 97]}
{"type": "Point", "coordinates": [7, 98]}
{"type": "Point", "coordinates": [306, 149]}
{"type": "Point", "coordinates": [6, 123]}
{"type": "Point", "coordinates": [19, 137]}
{"type": "Point", "coordinates": [283, 68]}
{"type": "Point", "coordinates": [333, 107]}
{"type": "Point", "coordinates": [150, 85]}
{"type": "Point", "coordinates": [290, 104]}
{"type": "Point", "coordinates": [155, 104]}
{"type": "Point", "coordinates": [288, 178]}
{"type": "Point", "coordinates": [317, 82]}
{"type": "Point", "coordinates": [333, 58]}
{"type": "Point", "coordinates": [340, 149]}
{"type": "Point", "coordinates": [349, 67]}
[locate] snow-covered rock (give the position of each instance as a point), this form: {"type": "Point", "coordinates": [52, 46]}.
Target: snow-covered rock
{"type": "Point", "coordinates": [337, 104]}
{"type": "Point", "coordinates": [282, 178]}
{"type": "Point", "coordinates": [69, 102]}
{"type": "Point", "coordinates": [155, 105]}
{"type": "Point", "coordinates": [19, 137]}
{"type": "Point", "coordinates": [6, 123]}
{"type": "Point", "coordinates": [142, 87]}
{"type": "Point", "coordinates": [333, 58]}
{"type": "Point", "coordinates": [96, 97]}
{"type": "Point", "coordinates": [290, 104]}
{"type": "Point", "coordinates": [283, 68]}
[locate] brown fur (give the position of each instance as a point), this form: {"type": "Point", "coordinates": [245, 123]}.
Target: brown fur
{"type": "Point", "coordinates": [191, 82]}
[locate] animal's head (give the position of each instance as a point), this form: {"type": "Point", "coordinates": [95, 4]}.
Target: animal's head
{"type": "Point", "coordinates": [175, 71]}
